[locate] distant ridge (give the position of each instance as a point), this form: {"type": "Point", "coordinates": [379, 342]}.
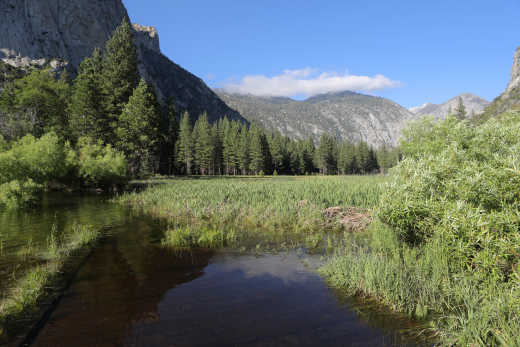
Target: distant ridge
{"type": "Point", "coordinates": [346, 115]}
{"type": "Point", "coordinates": [473, 103]}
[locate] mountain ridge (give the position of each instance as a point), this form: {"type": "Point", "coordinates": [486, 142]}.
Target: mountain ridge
{"type": "Point", "coordinates": [473, 103]}
{"type": "Point", "coordinates": [347, 115]}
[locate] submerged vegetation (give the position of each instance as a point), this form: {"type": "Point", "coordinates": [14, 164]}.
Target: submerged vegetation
{"type": "Point", "coordinates": [449, 248]}
{"type": "Point", "coordinates": [219, 211]}
{"type": "Point", "coordinates": [22, 302]}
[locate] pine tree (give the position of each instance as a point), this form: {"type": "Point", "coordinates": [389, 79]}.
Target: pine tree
{"type": "Point", "coordinates": [278, 152]}
{"type": "Point", "coordinates": [216, 156]}
{"type": "Point", "coordinates": [86, 111]}
{"type": "Point", "coordinates": [346, 161]}
{"type": "Point", "coordinates": [460, 111]}
{"type": "Point", "coordinates": [243, 153]}
{"type": "Point", "coordinates": [120, 73]}
{"type": "Point", "coordinates": [260, 156]}
{"type": "Point", "coordinates": [326, 157]}
{"type": "Point", "coordinates": [138, 130]}
{"type": "Point", "coordinates": [168, 133]}
{"type": "Point", "coordinates": [184, 146]}
{"type": "Point", "coordinates": [203, 144]}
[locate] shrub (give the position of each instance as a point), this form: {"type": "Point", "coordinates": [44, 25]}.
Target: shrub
{"type": "Point", "coordinates": [17, 194]}
{"type": "Point", "coordinates": [40, 160]}
{"type": "Point", "coordinates": [99, 165]}
{"type": "Point", "coordinates": [461, 184]}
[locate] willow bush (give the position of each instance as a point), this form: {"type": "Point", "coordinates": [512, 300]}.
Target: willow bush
{"type": "Point", "coordinates": [446, 248]}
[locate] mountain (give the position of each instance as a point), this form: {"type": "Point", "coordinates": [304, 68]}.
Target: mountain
{"type": "Point", "coordinates": [511, 97]}
{"type": "Point", "coordinates": [61, 34]}
{"type": "Point", "coordinates": [347, 115]}
{"type": "Point", "coordinates": [473, 103]}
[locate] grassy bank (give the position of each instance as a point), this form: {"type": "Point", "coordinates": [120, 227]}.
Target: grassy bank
{"type": "Point", "coordinates": [213, 212]}
{"type": "Point", "coordinates": [28, 295]}
{"type": "Point", "coordinates": [447, 249]}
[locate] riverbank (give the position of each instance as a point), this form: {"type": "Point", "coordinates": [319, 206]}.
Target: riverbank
{"type": "Point", "coordinates": [30, 295]}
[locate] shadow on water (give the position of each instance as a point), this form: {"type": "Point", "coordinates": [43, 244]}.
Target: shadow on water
{"type": "Point", "coordinates": [133, 292]}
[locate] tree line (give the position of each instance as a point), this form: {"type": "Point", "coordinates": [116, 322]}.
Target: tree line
{"type": "Point", "coordinates": [109, 104]}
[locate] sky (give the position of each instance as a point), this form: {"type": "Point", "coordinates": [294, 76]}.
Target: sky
{"type": "Point", "coordinates": [409, 51]}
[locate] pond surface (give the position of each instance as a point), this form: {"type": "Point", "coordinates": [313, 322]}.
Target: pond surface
{"type": "Point", "coordinates": [133, 292]}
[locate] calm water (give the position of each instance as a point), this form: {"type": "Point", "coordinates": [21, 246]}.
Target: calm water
{"type": "Point", "coordinates": [133, 292]}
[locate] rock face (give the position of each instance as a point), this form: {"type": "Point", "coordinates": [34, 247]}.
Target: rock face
{"type": "Point", "coordinates": [473, 103]}
{"type": "Point", "coordinates": [347, 115]}
{"type": "Point", "coordinates": [515, 73]}
{"type": "Point", "coordinates": [63, 33]}
{"type": "Point", "coordinates": [511, 97]}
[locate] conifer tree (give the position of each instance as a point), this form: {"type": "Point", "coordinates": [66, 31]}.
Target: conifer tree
{"type": "Point", "coordinates": [460, 111]}
{"type": "Point", "coordinates": [243, 153]}
{"type": "Point", "coordinates": [216, 156]}
{"type": "Point", "coordinates": [168, 132]}
{"type": "Point", "coordinates": [278, 152]}
{"type": "Point", "coordinates": [260, 157]}
{"type": "Point", "coordinates": [138, 130]}
{"type": "Point", "coordinates": [86, 111]}
{"type": "Point", "coordinates": [184, 145]}
{"type": "Point", "coordinates": [120, 73]}
{"type": "Point", "coordinates": [203, 144]}
{"type": "Point", "coordinates": [326, 155]}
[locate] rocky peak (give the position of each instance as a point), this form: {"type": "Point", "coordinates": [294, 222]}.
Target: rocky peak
{"type": "Point", "coordinates": [147, 36]}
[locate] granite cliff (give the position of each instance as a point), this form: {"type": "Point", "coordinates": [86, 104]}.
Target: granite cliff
{"type": "Point", "coordinates": [510, 98]}
{"type": "Point", "coordinates": [62, 33]}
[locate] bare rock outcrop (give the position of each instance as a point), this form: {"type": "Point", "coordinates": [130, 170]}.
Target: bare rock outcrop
{"type": "Point", "coordinates": [510, 98]}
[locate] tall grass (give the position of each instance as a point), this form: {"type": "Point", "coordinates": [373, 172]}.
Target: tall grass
{"type": "Point", "coordinates": [21, 304]}
{"type": "Point", "coordinates": [219, 211]}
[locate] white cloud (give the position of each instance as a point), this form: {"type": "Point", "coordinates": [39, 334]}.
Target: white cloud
{"type": "Point", "coordinates": [307, 82]}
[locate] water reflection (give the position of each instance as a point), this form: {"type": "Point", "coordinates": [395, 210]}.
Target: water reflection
{"type": "Point", "coordinates": [155, 297]}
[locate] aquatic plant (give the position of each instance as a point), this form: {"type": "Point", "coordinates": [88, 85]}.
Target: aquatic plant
{"type": "Point", "coordinates": [22, 303]}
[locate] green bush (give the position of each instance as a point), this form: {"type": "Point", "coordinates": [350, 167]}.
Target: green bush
{"type": "Point", "coordinates": [99, 165]}
{"type": "Point", "coordinates": [17, 194]}
{"type": "Point", "coordinates": [461, 184]}
{"type": "Point", "coordinates": [40, 160]}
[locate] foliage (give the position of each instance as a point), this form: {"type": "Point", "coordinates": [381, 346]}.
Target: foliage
{"type": "Point", "coordinates": [450, 249]}
{"type": "Point", "coordinates": [137, 130]}
{"type": "Point", "coordinates": [461, 184]}
{"type": "Point", "coordinates": [86, 109]}
{"type": "Point", "coordinates": [120, 74]}
{"type": "Point", "coordinates": [40, 160]}
{"type": "Point", "coordinates": [39, 101]}
{"type": "Point", "coordinates": [99, 165]}
{"type": "Point", "coordinates": [16, 194]}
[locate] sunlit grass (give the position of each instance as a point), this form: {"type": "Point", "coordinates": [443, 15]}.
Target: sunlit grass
{"type": "Point", "coordinates": [219, 212]}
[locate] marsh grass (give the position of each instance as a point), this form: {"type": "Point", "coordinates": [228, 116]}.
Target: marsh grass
{"type": "Point", "coordinates": [455, 308]}
{"type": "Point", "coordinates": [226, 212]}
{"type": "Point", "coordinates": [29, 292]}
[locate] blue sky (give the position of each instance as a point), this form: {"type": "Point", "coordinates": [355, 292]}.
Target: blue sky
{"type": "Point", "coordinates": [409, 51]}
